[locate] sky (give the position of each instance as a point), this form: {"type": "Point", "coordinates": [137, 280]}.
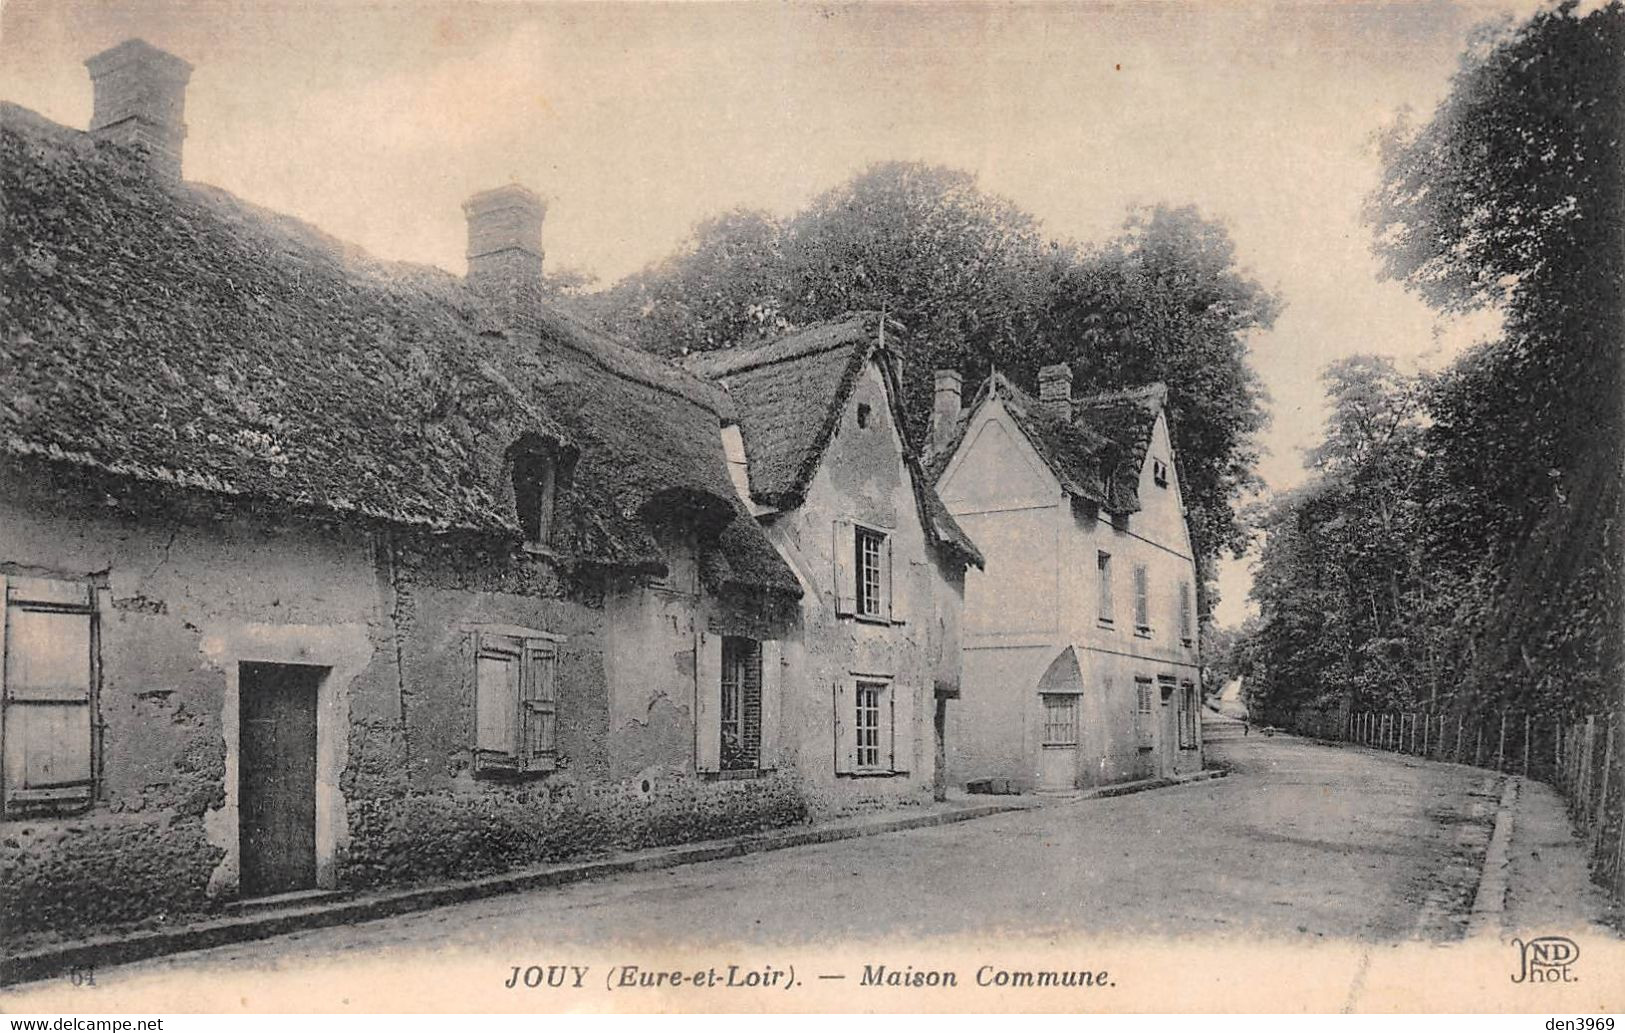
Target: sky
{"type": "Point", "coordinates": [376, 120]}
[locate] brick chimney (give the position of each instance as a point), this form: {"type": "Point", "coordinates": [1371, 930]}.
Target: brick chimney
{"type": "Point", "coordinates": [140, 97]}
{"type": "Point", "coordinates": [1055, 389]}
{"type": "Point", "coordinates": [505, 249]}
{"type": "Point", "coordinates": [948, 388]}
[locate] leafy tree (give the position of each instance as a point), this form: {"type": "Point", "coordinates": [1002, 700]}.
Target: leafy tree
{"type": "Point", "coordinates": [971, 277]}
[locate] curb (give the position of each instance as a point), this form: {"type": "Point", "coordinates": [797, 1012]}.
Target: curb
{"type": "Point", "coordinates": [1128, 788]}
{"type": "Point", "coordinates": [1490, 900]}
{"type": "Point", "coordinates": [218, 932]}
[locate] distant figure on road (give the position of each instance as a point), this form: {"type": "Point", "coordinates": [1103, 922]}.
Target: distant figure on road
{"type": "Point", "coordinates": [1246, 728]}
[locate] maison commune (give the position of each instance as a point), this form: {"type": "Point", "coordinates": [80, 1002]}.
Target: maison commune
{"type": "Point", "coordinates": [1081, 662]}
{"type": "Point", "coordinates": [324, 572]}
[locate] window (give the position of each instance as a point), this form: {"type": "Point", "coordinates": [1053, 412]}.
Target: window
{"type": "Point", "coordinates": [741, 705]}
{"type": "Point", "coordinates": [1142, 602]}
{"type": "Point", "coordinates": [1103, 565]}
{"type": "Point", "coordinates": [863, 415]}
{"type": "Point", "coordinates": [534, 478]}
{"type": "Point", "coordinates": [1185, 612]}
{"type": "Point", "coordinates": [870, 573]}
{"type": "Point", "coordinates": [1060, 719]}
{"type": "Point", "coordinates": [47, 690]}
{"type": "Point", "coordinates": [1159, 473]}
{"type": "Point", "coordinates": [1143, 713]}
{"type": "Point", "coordinates": [1187, 716]}
{"type": "Point", "coordinates": [864, 581]}
{"type": "Point", "coordinates": [867, 723]}
{"type": "Point", "coordinates": [516, 704]}
{"type": "Point", "coordinates": [873, 726]}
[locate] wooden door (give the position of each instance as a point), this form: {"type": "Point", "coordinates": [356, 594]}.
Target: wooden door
{"type": "Point", "coordinates": [1058, 763]}
{"type": "Point", "coordinates": [1168, 740]}
{"type": "Point", "coordinates": [276, 777]}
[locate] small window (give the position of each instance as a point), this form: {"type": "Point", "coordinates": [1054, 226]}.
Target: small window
{"type": "Point", "coordinates": [1159, 473]}
{"type": "Point", "coordinates": [863, 414]}
{"type": "Point", "coordinates": [1144, 725]}
{"type": "Point", "coordinates": [1185, 613]}
{"type": "Point", "coordinates": [1103, 566]}
{"type": "Point", "coordinates": [741, 704]}
{"type": "Point", "coordinates": [869, 726]}
{"type": "Point", "coordinates": [1060, 719]}
{"type": "Point", "coordinates": [1142, 601]}
{"type": "Point", "coordinates": [870, 554]}
{"type": "Point", "coordinates": [516, 705]}
{"type": "Point", "coordinates": [534, 486]}
{"type": "Point", "coordinates": [1187, 717]}
{"type": "Point", "coordinates": [47, 688]}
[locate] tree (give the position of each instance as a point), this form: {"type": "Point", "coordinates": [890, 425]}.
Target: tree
{"type": "Point", "coordinates": [976, 285]}
{"type": "Point", "coordinates": [1511, 196]}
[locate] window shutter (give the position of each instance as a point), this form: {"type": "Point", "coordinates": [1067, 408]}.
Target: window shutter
{"type": "Point", "coordinates": [1142, 614]}
{"type": "Point", "coordinates": [846, 746]}
{"type": "Point", "coordinates": [538, 709]}
{"type": "Point", "coordinates": [894, 611]}
{"type": "Point", "coordinates": [707, 702]}
{"type": "Point", "coordinates": [846, 568]}
{"type": "Point", "coordinates": [496, 700]}
{"type": "Point", "coordinates": [772, 679]}
{"type": "Point", "coordinates": [902, 726]}
{"type": "Point", "coordinates": [45, 682]}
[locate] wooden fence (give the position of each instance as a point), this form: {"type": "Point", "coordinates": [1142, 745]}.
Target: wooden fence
{"type": "Point", "coordinates": [1583, 758]}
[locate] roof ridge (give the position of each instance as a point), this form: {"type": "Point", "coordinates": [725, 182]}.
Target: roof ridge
{"type": "Point", "coordinates": [800, 343]}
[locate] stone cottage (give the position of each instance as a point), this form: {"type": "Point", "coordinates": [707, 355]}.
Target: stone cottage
{"type": "Point", "coordinates": [819, 452]}
{"type": "Point", "coordinates": [322, 572]}
{"type": "Point", "coordinates": [1081, 635]}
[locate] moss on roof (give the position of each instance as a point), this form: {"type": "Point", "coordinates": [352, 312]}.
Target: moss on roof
{"type": "Point", "coordinates": [788, 396]}
{"type": "Point", "coordinates": [172, 334]}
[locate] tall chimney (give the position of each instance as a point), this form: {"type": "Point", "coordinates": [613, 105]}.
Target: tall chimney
{"type": "Point", "coordinates": [1055, 389]}
{"type": "Point", "coordinates": [505, 249]}
{"type": "Point", "coordinates": [140, 98]}
{"type": "Point", "coordinates": [949, 386]}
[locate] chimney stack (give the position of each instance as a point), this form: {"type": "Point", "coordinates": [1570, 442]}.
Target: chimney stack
{"type": "Point", "coordinates": [949, 386]}
{"type": "Point", "coordinates": [1055, 389]}
{"type": "Point", "coordinates": [505, 249]}
{"type": "Point", "coordinates": [140, 97]}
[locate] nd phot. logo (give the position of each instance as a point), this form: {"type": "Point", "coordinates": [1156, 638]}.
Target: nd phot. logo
{"type": "Point", "coordinates": [1545, 959]}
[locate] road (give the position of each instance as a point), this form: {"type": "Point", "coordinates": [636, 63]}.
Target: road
{"type": "Point", "coordinates": [1301, 843]}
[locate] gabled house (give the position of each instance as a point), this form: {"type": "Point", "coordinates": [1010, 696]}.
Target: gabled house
{"type": "Point", "coordinates": [323, 572]}
{"type": "Point", "coordinates": [1081, 635]}
{"type": "Point", "coordinates": [820, 454]}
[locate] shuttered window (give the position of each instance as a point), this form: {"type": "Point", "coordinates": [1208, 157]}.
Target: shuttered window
{"type": "Point", "coordinates": [874, 727]}
{"type": "Point", "coordinates": [1143, 713]}
{"type": "Point", "coordinates": [1185, 608]}
{"type": "Point", "coordinates": [865, 585]}
{"type": "Point", "coordinates": [515, 705]}
{"type": "Point", "coordinates": [1060, 719]}
{"type": "Point", "coordinates": [1142, 601]}
{"type": "Point", "coordinates": [741, 704]}
{"type": "Point", "coordinates": [1103, 567]}
{"type": "Point", "coordinates": [867, 724]}
{"type": "Point", "coordinates": [47, 696]}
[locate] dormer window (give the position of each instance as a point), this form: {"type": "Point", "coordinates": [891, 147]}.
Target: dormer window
{"type": "Point", "coordinates": [535, 478]}
{"type": "Point", "coordinates": [1159, 473]}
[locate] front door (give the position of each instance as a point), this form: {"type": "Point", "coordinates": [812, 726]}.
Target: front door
{"type": "Point", "coordinates": [276, 777]}
{"type": "Point", "coordinates": [1168, 742]}
{"type": "Point", "coordinates": [1058, 763]}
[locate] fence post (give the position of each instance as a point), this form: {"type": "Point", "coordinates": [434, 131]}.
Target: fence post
{"type": "Point", "coordinates": [1460, 724]}
{"type": "Point", "coordinates": [1601, 814]}
{"type": "Point", "coordinates": [1501, 747]}
{"type": "Point", "coordinates": [1478, 742]}
{"type": "Point", "coordinates": [1427, 729]}
{"type": "Point", "coordinates": [1587, 769]}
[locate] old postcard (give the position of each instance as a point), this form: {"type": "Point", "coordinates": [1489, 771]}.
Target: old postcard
{"type": "Point", "coordinates": [1087, 507]}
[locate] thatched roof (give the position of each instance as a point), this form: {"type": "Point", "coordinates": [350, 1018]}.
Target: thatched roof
{"type": "Point", "coordinates": [788, 396]}
{"type": "Point", "coordinates": [171, 334]}
{"type": "Point", "coordinates": [1096, 454]}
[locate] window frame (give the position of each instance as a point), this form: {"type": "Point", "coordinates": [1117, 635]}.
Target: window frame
{"type": "Point", "coordinates": [1068, 702]}
{"type": "Point", "coordinates": [883, 730]}
{"type": "Point", "coordinates": [1145, 709]}
{"type": "Point", "coordinates": [535, 689]}
{"type": "Point", "coordinates": [47, 595]}
{"type": "Point", "coordinates": [741, 667]}
{"type": "Point", "coordinates": [1159, 472]}
{"type": "Point", "coordinates": [1105, 601]}
{"type": "Point", "coordinates": [880, 595]}
{"type": "Point", "coordinates": [1142, 601]}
